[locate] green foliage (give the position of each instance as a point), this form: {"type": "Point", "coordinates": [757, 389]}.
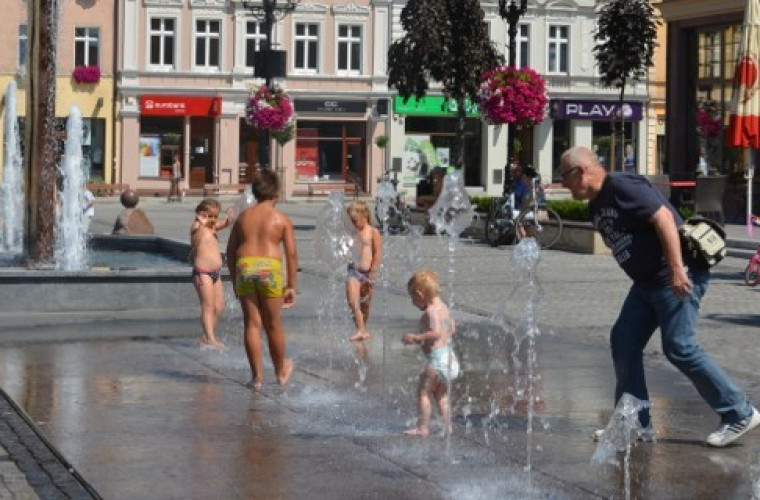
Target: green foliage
{"type": "Point", "coordinates": [285, 135]}
{"type": "Point", "coordinates": [381, 141]}
{"type": "Point", "coordinates": [445, 41]}
{"type": "Point", "coordinates": [482, 203]}
{"type": "Point", "coordinates": [625, 41]}
{"type": "Point", "coordinates": [686, 212]}
{"type": "Point", "coordinates": [570, 209]}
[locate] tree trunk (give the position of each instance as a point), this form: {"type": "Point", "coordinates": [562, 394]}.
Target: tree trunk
{"type": "Point", "coordinates": [41, 149]}
{"type": "Point", "coordinates": [622, 128]}
{"type": "Point", "coordinates": [459, 138]}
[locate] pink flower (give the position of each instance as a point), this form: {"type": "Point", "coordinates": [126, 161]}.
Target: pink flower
{"type": "Point", "coordinates": [269, 109]}
{"type": "Point", "coordinates": [86, 74]}
{"type": "Point", "coordinates": [511, 95]}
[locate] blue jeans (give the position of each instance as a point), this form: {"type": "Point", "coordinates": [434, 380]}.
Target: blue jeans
{"type": "Point", "coordinates": [645, 309]}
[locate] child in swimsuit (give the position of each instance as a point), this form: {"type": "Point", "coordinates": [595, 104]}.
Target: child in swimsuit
{"type": "Point", "coordinates": [435, 331]}
{"type": "Point", "coordinates": [255, 262]}
{"type": "Point", "coordinates": [362, 270]}
{"type": "Point", "coordinates": [206, 259]}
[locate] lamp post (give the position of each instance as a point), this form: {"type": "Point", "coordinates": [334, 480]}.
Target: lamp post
{"type": "Point", "coordinates": [268, 12]}
{"type": "Point", "coordinates": [511, 14]}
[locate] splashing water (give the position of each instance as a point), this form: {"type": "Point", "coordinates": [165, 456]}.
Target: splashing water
{"type": "Point", "coordinates": [452, 212]}
{"type": "Point", "coordinates": [70, 230]}
{"type": "Point", "coordinates": [621, 432]}
{"type": "Point", "coordinates": [245, 200]}
{"type": "Point", "coordinates": [12, 188]}
{"type": "Point", "coordinates": [386, 199]}
{"type": "Point", "coordinates": [754, 474]}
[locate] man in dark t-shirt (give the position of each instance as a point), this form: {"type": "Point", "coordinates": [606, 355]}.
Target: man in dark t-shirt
{"type": "Point", "coordinates": [641, 229]}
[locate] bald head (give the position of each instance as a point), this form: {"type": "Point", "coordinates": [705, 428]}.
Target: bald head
{"type": "Point", "coordinates": [581, 172]}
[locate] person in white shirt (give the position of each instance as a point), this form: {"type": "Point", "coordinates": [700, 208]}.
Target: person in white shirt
{"type": "Point", "coordinates": [88, 209]}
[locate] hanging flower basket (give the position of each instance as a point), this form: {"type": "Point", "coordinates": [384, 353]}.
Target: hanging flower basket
{"type": "Point", "coordinates": [269, 109]}
{"type": "Point", "coordinates": [86, 74]}
{"type": "Point", "coordinates": [511, 95]}
{"type": "Point", "coordinates": [708, 119]}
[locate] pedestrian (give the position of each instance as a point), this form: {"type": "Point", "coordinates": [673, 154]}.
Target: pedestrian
{"type": "Point", "coordinates": [434, 336]}
{"type": "Point", "coordinates": [254, 259]}
{"type": "Point", "coordinates": [88, 210]}
{"type": "Point", "coordinates": [362, 270]}
{"type": "Point", "coordinates": [174, 194]}
{"type": "Point", "coordinates": [641, 228]}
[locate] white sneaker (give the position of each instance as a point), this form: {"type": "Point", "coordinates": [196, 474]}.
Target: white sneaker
{"type": "Point", "coordinates": [728, 433]}
{"type": "Point", "coordinates": [646, 436]}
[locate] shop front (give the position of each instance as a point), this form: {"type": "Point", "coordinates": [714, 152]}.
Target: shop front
{"type": "Point", "coordinates": [330, 143]}
{"type": "Point", "coordinates": [183, 126]}
{"type": "Point", "coordinates": [429, 134]}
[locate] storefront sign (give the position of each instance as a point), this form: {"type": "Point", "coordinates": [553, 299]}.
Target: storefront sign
{"type": "Point", "coordinates": [330, 106]}
{"type": "Point", "coordinates": [431, 106]}
{"type": "Point", "coordinates": [168, 105]}
{"type": "Point", "coordinates": [565, 109]}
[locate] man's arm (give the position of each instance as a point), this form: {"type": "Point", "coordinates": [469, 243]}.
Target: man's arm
{"type": "Point", "coordinates": [665, 225]}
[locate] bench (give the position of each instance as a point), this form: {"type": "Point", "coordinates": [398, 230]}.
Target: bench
{"type": "Point", "coordinates": [217, 189]}
{"type": "Point", "coordinates": [104, 189]}
{"type": "Point", "coordinates": [324, 188]}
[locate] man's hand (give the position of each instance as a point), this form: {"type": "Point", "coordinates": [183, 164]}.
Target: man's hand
{"type": "Point", "coordinates": [409, 338]}
{"type": "Point", "coordinates": [680, 282]}
{"type": "Point", "coordinates": [289, 298]}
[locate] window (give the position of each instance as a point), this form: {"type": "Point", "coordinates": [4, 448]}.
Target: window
{"type": "Point", "coordinates": [162, 35]}
{"type": "Point", "coordinates": [86, 46]}
{"type": "Point", "coordinates": [207, 38]}
{"type": "Point", "coordinates": [22, 40]}
{"type": "Point", "coordinates": [349, 49]}
{"type": "Point", "coordinates": [523, 46]}
{"type": "Point", "coordinates": [558, 49]}
{"type": "Point", "coordinates": [253, 40]}
{"type": "Point", "coordinates": [307, 47]}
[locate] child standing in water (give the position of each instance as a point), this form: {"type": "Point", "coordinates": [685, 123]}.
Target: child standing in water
{"type": "Point", "coordinates": [435, 330]}
{"type": "Point", "coordinates": [254, 259]}
{"type": "Point", "coordinates": [363, 268]}
{"type": "Point", "coordinates": [207, 265]}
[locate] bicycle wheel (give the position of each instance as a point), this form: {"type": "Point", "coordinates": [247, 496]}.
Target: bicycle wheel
{"type": "Point", "coordinates": [547, 229]}
{"type": "Point", "coordinates": [751, 274]}
{"type": "Point", "coordinates": [493, 226]}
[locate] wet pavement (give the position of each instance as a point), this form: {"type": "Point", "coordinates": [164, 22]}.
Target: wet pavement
{"type": "Point", "coordinates": [140, 412]}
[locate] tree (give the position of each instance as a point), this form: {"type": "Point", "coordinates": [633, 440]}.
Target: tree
{"type": "Point", "coordinates": [625, 42]}
{"type": "Point", "coordinates": [446, 41]}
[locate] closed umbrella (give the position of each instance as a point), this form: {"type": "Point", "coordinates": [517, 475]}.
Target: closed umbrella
{"type": "Point", "coordinates": [744, 123]}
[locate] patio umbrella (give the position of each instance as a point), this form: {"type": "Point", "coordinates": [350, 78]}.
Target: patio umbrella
{"type": "Point", "coordinates": [744, 122]}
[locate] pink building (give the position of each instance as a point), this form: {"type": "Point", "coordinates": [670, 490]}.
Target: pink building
{"type": "Point", "coordinates": [186, 71]}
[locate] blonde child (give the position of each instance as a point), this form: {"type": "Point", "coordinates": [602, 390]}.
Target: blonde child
{"type": "Point", "coordinates": [254, 259]}
{"type": "Point", "coordinates": [363, 268]}
{"type": "Point", "coordinates": [206, 259]}
{"type": "Point", "coordinates": [435, 330]}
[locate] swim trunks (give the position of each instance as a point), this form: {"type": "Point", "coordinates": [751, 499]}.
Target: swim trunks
{"type": "Point", "coordinates": [359, 275]}
{"type": "Point", "coordinates": [213, 274]}
{"type": "Point", "coordinates": [444, 362]}
{"type": "Point", "coordinates": [259, 275]}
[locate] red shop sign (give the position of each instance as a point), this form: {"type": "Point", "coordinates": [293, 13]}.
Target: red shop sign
{"type": "Point", "coordinates": [173, 105]}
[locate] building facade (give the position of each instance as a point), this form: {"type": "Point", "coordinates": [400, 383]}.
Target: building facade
{"type": "Point", "coordinates": [84, 74]}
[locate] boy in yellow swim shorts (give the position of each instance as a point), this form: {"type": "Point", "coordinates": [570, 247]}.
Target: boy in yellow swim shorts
{"type": "Point", "coordinates": [254, 260]}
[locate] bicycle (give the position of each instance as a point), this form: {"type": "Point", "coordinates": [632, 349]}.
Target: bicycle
{"type": "Point", "coordinates": [536, 220]}
{"type": "Point", "coordinates": [397, 215]}
{"type": "Point", "coordinates": [752, 271]}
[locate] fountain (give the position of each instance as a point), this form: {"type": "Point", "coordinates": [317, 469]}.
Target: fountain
{"type": "Point", "coordinates": [70, 230]}
{"type": "Point", "coordinates": [12, 187]}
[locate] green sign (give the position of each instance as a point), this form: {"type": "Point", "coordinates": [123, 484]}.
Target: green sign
{"type": "Point", "coordinates": [431, 105]}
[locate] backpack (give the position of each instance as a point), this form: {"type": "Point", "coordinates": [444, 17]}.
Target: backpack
{"type": "Point", "coordinates": [703, 239]}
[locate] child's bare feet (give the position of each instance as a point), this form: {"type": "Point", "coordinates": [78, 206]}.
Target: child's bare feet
{"type": "Point", "coordinates": [359, 336]}
{"type": "Point", "coordinates": [256, 384]}
{"type": "Point", "coordinates": [287, 371]}
{"type": "Point", "coordinates": [416, 432]}
{"type": "Point", "coordinates": [206, 344]}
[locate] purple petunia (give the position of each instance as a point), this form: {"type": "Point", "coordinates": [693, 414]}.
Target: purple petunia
{"type": "Point", "coordinates": [511, 95]}
{"type": "Point", "coordinates": [269, 109]}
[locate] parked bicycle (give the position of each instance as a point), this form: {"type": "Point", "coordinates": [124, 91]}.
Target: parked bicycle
{"type": "Point", "coordinates": [752, 271]}
{"type": "Point", "coordinates": [535, 220]}
{"type": "Point", "coordinates": [395, 215]}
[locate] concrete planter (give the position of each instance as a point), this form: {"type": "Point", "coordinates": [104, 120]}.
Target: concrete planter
{"type": "Point", "coordinates": [579, 237]}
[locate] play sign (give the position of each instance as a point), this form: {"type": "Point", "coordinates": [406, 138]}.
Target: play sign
{"type": "Point", "coordinates": [567, 109]}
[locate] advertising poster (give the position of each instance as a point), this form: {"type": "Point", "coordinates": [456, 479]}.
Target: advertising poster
{"type": "Point", "coordinates": [444, 155]}
{"type": "Point", "coordinates": [307, 155]}
{"type": "Point", "coordinates": [419, 158]}
{"type": "Point", "coordinates": [150, 154]}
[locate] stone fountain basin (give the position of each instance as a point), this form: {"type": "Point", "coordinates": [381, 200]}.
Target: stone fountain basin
{"type": "Point", "coordinates": [101, 288]}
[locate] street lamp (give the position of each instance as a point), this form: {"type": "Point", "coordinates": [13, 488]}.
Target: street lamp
{"type": "Point", "coordinates": [511, 14]}
{"type": "Point", "coordinates": [268, 12]}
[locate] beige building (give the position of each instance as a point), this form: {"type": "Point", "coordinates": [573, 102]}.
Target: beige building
{"type": "Point", "coordinates": [84, 69]}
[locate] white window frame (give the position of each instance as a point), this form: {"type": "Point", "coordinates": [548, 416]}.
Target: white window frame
{"type": "Point", "coordinates": [521, 39]}
{"type": "Point", "coordinates": [257, 36]}
{"type": "Point", "coordinates": [23, 41]}
{"type": "Point", "coordinates": [306, 39]}
{"type": "Point", "coordinates": [207, 36]}
{"type": "Point", "coordinates": [87, 39]}
{"type": "Point", "coordinates": [162, 33]}
{"type": "Point", "coordinates": [557, 42]}
{"type": "Point", "coordinates": [349, 40]}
